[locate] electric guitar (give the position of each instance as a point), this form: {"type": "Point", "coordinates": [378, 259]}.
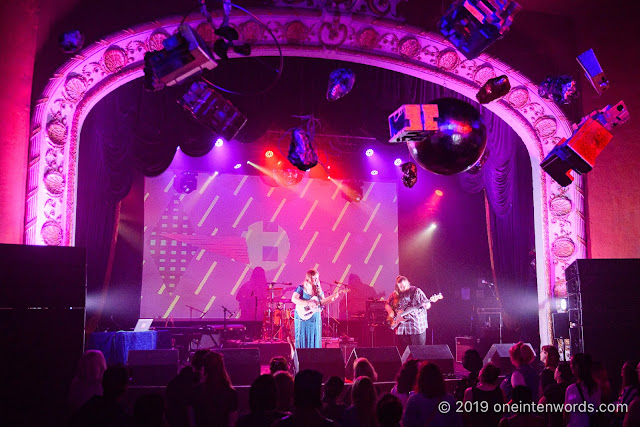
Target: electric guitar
{"type": "Point", "coordinates": [305, 312]}
{"type": "Point", "coordinates": [394, 321]}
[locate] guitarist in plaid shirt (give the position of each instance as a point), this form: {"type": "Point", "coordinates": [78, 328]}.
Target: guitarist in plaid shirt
{"type": "Point", "coordinates": [411, 329]}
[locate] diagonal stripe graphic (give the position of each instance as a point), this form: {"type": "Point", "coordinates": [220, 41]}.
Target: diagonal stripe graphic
{"type": "Point", "coordinates": [240, 279]}
{"type": "Point", "coordinates": [207, 182]}
{"type": "Point", "coordinates": [344, 209]}
{"type": "Point", "coordinates": [344, 242]}
{"type": "Point", "coordinates": [366, 194]}
{"type": "Point", "coordinates": [173, 304]}
{"type": "Point", "coordinates": [375, 276]}
{"type": "Point", "coordinates": [313, 207]}
{"type": "Point", "coordinates": [278, 273]}
{"type": "Point", "coordinates": [246, 206]}
{"type": "Point", "coordinates": [306, 251]}
{"type": "Point", "coordinates": [373, 215]}
{"type": "Point", "coordinates": [306, 187]}
{"type": "Point", "coordinates": [275, 214]}
{"type": "Point", "coordinates": [373, 248]}
{"type": "Point", "coordinates": [209, 304]}
{"type": "Point", "coordinates": [206, 277]}
{"type": "Point", "coordinates": [242, 181]}
{"type": "Point", "coordinates": [208, 211]}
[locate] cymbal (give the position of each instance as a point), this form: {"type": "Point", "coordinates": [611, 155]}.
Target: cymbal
{"type": "Point", "coordinates": [274, 289]}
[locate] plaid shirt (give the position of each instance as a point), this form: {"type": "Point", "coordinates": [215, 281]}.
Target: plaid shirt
{"type": "Point", "coordinates": [417, 321]}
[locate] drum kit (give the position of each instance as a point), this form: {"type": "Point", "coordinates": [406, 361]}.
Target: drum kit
{"type": "Point", "coordinates": [278, 318]}
{"type": "Point", "coordinates": [278, 321]}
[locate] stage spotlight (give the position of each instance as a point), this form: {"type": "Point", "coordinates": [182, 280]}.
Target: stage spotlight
{"type": "Point", "coordinates": [352, 191]}
{"type": "Point", "coordinates": [397, 162]}
{"type": "Point", "coordinates": [369, 152]}
{"type": "Point", "coordinates": [187, 183]}
{"type": "Point", "coordinates": [268, 154]}
{"type": "Point", "coordinates": [433, 226]}
{"type": "Point", "coordinates": [219, 142]}
{"type": "Point", "coordinates": [374, 172]}
{"type": "Point", "coordinates": [213, 110]}
{"type": "Point", "coordinates": [237, 166]}
{"type": "Point", "coordinates": [439, 193]}
{"type": "Point", "coordinates": [184, 54]}
{"type": "Point", "coordinates": [473, 25]}
{"type": "Point", "coordinates": [561, 305]}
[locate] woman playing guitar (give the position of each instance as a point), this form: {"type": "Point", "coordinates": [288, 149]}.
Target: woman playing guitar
{"type": "Point", "coordinates": [309, 298]}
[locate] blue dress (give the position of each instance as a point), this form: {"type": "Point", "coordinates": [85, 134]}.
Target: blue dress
{"type": "Point", "coordinates": [308, 332]}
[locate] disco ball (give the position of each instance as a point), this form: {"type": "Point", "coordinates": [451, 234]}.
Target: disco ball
{"type": "Point", "coordinates": [457, 144]}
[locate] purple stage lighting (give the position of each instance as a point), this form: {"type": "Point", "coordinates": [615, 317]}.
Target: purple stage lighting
{"type": "Point", "coordinates": [397, 162]}
{"type": "Point", "coordinates": [369, 152]}
{"type": "Point", "coordinates": [219, 142]}
{"type": "Point", "coordinates": [237, 166]}
{"type": "Point", "coordinates": [374, 172]}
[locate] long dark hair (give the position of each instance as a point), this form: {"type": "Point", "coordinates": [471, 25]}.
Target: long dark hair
{"type": "Point", "coordinates": [430, 381]}
{"type": "Point", "coordinates": [398, 280]}
{"type": "Point", "coordinates": [364, 396]}
{"type": "Point", "coordinates": [553, 356]}
{"type": "Point", "coordinates": [581, 365]}
{"type": "Point", "coordinates": [215, 375]}
{"type": "Point", "coordinates": [408, 375]}
{"type": "Point", "coordinates": [630, 374]}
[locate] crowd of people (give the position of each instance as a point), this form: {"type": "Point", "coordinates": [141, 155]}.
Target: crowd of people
{"type": "Point", "coordinates": [202, 395]}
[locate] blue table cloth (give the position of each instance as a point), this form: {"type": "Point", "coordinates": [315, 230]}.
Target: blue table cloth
{"type": "Point", "coordinates": [116, 345]}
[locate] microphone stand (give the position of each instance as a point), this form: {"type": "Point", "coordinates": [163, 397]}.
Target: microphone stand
{"type": "Point", "coordinates": [196, 309]}
{"type": "Point", "coordinates": [346, 302]}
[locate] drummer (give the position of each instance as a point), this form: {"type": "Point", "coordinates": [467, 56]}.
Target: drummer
{"type": "Point", "coordinates": [253, 296]}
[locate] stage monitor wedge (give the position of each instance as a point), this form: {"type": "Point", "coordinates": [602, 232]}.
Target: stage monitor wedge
{"type": "Point", "coordinates": [328, 361]}
{"type": "Point", "coordinates": [385, 360]}
{"type": "Point", "coordinates": [498, 355]}
{"type": "Point", "coordinates": [439, 355]}
{"type": "Point", "coordinates": [152, 367]}
{"type": "Point", "coordinates": [242, 364]}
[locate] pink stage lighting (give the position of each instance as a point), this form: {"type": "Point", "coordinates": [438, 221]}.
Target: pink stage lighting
{"type": "Point", "coordinates": [369, 152]}
{"type": "Point", "coordinates": [397, 162]}
{"type": "Point", "coordinates": [374, 172]}
{"type": "Point", "coordinates": [237, 166]}
{"type": "Point", "coordinates": [439, 193]}
{"type": "Point", "coordinates": [268, 154]}
{"type": "Point", "coordinates": [219, 142]}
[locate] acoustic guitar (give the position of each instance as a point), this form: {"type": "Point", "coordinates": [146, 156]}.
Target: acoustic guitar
{"type": "Point", "coordinates": [305, 312]}
{"type": "Point", "coordinates": [394, 321]}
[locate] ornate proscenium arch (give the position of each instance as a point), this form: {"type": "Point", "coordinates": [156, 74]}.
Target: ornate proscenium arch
{"type": "Point", "coordinates": [356, 37]}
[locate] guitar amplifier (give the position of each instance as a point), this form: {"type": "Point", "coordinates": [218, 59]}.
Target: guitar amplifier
{"type": "Point", "coordinates": [376, 313]}
{"type": "Point", "coordinates": [463, 344]}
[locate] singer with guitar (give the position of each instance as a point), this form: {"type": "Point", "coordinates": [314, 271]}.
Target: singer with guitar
{"type": "Point", "coordinates": [309, 299]}
{"type": "Point", "coordinates": [411, 329]}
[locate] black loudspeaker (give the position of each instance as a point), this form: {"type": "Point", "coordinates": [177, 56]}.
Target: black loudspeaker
{"type": "Point", "coordinates": [42, 313]}
{"type": "Point", "coordinates": [242, 364]}
{"type": "Point", "coordinates": [439, 355]}
{"type": "Point", "coordinates": [498, 355]}
{"type": "Point", "coordinates": [385, 360]}
{"type": "Point", "coordinates": [329, 361]}
{"type": "Point", "coordinates": [560, 325]}
{"type": "Point", "coordinates": [603, 313]}
{"type": "Point", "coordinates": [152, 367]}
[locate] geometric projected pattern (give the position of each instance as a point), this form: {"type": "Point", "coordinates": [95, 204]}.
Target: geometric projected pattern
{"type": "Point", "coordinates": [171, 256]}
{"type": "Point", "coordinates": [235, 233]}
